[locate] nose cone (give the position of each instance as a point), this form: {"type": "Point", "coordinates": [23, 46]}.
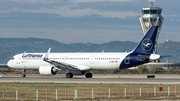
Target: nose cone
{"type": "Point", "coordinates": [9, 63]}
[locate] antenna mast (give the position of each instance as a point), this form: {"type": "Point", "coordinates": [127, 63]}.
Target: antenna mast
{"type": "Point", "coordinates": [152, 3]}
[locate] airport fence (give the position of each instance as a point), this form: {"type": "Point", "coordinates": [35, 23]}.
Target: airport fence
{"type": "Point", "coordinates": [81, 94]}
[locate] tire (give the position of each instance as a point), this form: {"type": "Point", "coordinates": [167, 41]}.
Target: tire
{"type": "Point", "coordinates": [23, 75]}
{"type": "Point", "coordinates": [69, 75]}
{"type": "Point", "coordinates": [88, 75]}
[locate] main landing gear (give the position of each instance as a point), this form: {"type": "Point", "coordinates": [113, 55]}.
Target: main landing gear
{"type": "Point", "coordinates": [69, 75]}
{"type": "Point", "coordinates": [88, 75]}
{"type": "Point", "coordinates": [23, 73]}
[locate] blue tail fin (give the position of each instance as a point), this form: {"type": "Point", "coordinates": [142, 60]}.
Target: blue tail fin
{"type": "Point", "coordinates": [147, 44]}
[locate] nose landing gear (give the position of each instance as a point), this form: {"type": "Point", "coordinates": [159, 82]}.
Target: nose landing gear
{"type": "Point", "coordinates": [23, 73]}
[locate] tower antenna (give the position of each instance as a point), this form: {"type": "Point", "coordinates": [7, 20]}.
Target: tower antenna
{"type": "Point", "coordinates": [152, 3]}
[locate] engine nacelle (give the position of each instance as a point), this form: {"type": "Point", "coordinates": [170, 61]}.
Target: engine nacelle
{"type": "Point", "coordinates": [47, 70]}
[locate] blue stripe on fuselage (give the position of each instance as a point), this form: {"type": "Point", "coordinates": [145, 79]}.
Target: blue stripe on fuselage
{"type": "Point", "coordinates": [132, 60]}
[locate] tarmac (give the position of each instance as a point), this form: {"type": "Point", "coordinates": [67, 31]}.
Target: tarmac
{"type": "Point", "coordinates": [104, 79]}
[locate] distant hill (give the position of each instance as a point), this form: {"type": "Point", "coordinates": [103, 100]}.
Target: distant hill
{"type": "Point", "coordinates": [170, 48]}
{"type": "Point", "coordinates": [11, 46]}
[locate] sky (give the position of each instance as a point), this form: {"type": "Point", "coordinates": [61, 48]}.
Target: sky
{"type": "Point", "coordinates": [83, 21]}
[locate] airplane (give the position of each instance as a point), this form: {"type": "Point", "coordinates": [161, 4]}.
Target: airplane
{"type": "Point", "coordinates": [82, 63]}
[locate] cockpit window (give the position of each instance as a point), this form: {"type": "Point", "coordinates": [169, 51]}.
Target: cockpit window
{"type": "Point", "coordinates": [12, 58]}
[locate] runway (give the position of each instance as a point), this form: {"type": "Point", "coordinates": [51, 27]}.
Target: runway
{"type": "Point", "coordinates": [105, 79]}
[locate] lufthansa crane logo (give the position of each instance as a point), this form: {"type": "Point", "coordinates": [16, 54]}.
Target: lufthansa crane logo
{"type": "Point", "coordinates": [147, 45]}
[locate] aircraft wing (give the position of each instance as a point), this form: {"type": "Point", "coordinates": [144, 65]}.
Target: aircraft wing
{"type": "Point", "coordinates": [63, 65]}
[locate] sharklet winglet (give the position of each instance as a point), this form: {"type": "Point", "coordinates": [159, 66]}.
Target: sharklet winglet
{"type": "Point", "coordinates": [47, 54]}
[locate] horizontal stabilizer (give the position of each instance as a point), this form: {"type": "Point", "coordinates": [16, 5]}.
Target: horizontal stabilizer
{"type": "Point", "coordinates": [166, 56]}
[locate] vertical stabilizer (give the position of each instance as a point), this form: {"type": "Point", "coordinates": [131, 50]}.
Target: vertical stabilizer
{"type": "Point", "coordinates": [143, 53]}
{"type": "Point", "coordinates": [147, 44]}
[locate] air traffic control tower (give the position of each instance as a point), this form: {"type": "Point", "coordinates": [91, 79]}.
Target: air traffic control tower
{"type": "Point", "coordinates": [151, 16]}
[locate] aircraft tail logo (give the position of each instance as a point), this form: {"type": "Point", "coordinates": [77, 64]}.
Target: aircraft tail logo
{"type": "Point", "coordinates": [147, 45]}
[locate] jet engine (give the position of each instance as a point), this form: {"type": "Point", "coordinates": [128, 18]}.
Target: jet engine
{"type": "Point", "coordinates": [47, 70]}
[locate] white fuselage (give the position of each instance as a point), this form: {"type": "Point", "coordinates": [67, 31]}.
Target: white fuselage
{"type": "Point", "coordinates": [95, 61]}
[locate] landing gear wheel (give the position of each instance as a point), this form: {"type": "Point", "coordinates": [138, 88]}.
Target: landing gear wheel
{"type": "Point", "coordinates": [23, 75]}
{"type": "Point", "coordinates": [69, 75]}
{"type": "Point", "coordinates": [88, 75]}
